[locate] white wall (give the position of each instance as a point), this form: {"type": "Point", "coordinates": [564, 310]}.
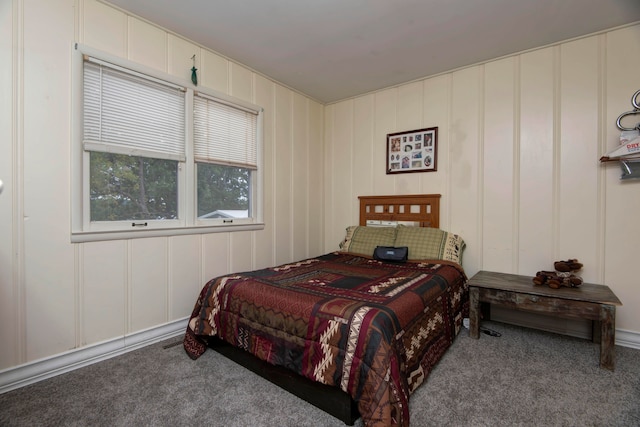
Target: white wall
{"type": "Point", "coordinates": [57, 296]}
{"type": "Point", "coordinates": [520, 139]}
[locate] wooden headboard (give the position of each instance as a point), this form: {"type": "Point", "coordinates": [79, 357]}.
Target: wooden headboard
{"type": "Point", "coordinates": [421, 208]}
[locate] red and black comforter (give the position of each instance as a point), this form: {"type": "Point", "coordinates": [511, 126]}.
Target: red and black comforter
{"type": "Point", "coordinates": [374, 329]}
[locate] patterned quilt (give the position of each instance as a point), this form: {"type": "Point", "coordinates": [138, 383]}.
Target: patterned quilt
{"type": "Point", "coordinates": [372, 328]}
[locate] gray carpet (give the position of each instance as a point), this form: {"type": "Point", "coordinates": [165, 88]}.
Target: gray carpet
{"type": "Point", "coordinates": [523, 378]}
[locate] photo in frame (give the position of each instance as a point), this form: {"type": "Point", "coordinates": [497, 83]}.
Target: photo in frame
{"type": "Point", "coordinates": [412, 151]}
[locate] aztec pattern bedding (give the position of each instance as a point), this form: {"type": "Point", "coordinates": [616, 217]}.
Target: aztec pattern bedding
{"type": "Point", "coordinates": [372, 328]}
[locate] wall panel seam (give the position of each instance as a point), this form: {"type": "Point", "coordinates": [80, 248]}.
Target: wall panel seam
{"type": "Point", "coordinates": [273, 174]}
{"type": "Point", "coordinates": [307, 203]}
{"type": "Point", "coordinates": [601, 191]}
{"type": "Point", "coordinates": [229, 78]}
{"type": "Point", "coordinates": [229, 245]}
{"type": "Point", "coordinates": [202, 258]}
{"type": "Point", "coordinates": [323, 182]}
{"type": "Point", "coordinates": [78, 248]}
{"type": "Point", "coordinates": [396, 93]}
{"type": "Point", "coordinates": [330, 118]}
{"type": "Point", "coordinates": [292, 229]}
{"type": "Point", "coordinates": [480, 166]}
{"type": "Point", "coordinates": [128, 288]}
{"type": "Point", "coordinates": [448, 183]}
{"type": "Point", "coordinates": [78, 277]}
{"type": "Point", "coordinates": [127, 31]}
{"type": "Point", "coordinates": [515, 226]}
{"type": "Point", "coordinates": [166, 56]}
{"type": "Point", "coordinates": [557, 150]}
{"type": "Point", "coordinates": [125, 38]}
{"type": "Point", "coordinates": [169, 275]}
{"type": "Point", "coordinates": [372, 156]}
{"type": "Point", "coordinates": [76, 19]}
{"type": "Point", "coordinates": [352, 196]}
{"type": "Point", "coordinates": [421, 181]}
{"type": "Point", "coordinates": [81, 20]}
{"type": "Point", "coordinates": [18, 180]}
{"type": "Point", "coordinates": [254, 250]}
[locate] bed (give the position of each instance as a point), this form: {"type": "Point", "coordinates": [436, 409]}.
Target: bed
{"type": "Point", "coordinates": [353, 335]}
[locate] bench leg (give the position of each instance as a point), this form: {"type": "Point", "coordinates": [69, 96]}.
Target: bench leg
{"type": "Point", "coordinates": [474, 312]}
{"type": "Point", "coordinates": [607, 336]}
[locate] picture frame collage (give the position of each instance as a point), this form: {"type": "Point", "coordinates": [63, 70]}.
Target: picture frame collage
{"type": "Point", "coordinates": [412, 151]}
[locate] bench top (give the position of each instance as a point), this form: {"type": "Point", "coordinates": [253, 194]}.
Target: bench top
{"type": "Point", "coordinates": [588, 292]}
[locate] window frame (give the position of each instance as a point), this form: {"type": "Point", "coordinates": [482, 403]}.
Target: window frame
{"type": "Point", "coordinates": [83, 229]}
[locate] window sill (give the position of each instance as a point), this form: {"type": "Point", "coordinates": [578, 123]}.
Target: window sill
{"type": "Point", "coordinates": [99, 236]}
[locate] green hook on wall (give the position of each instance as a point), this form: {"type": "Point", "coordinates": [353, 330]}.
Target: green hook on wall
{"type": "Point", "coordinates": [194, 75]}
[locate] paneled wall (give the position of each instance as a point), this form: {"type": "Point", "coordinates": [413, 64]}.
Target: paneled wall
{"type": "Point", "coordinates": [57, 296]}
{"type": "Point", "coordinates": [519, 142]}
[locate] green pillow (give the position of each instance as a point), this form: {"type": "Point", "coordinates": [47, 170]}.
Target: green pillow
{"type": "Point", "coordinates": [430, 243]}
{"type": "Point", "coordinates": [363, 240]}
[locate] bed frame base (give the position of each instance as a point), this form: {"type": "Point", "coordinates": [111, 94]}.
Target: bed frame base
{"type": "Point", "coordinates": [329, 399]}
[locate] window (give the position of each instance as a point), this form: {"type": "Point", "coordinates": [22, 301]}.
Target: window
{"type": "Point", "coordinates": [225, 157]}
{"type": "Point", "coordinates": [153, 156]}
{"type": "Point", "coordinates": [133, 132]}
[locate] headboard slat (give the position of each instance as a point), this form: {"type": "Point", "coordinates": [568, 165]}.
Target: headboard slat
{"type": "Point", "coordinates": [398, 208]}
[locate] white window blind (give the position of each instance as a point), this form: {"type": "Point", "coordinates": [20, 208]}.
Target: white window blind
{"type": "Point", "coordinates": [224, 134]}
{"type": "Point", "coordinates": [128, 114]}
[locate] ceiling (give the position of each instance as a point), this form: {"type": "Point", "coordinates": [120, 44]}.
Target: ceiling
{"type": "Point", "coordinates": [334, 49]}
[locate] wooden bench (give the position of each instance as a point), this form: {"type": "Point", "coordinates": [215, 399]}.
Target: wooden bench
{"type": "Point", "coordinates": [588, 301]}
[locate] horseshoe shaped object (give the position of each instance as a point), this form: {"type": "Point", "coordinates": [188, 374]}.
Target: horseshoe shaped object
{"type": "Point", "coordinates": [636, 110]}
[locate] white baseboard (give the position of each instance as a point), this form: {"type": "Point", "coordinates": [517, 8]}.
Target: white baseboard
{"type": "Point", "coordinates": [628, 338]}
{"type": "Point", "coordinates": [29, 373]}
